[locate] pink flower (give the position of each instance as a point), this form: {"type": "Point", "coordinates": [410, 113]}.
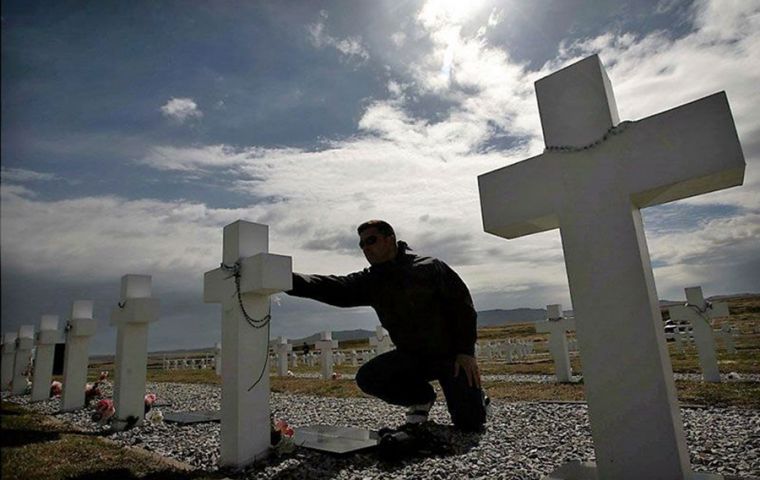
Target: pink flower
{"type": "Point", "coordinates": [104, 410]}
{"type": "Point", "coordinates": [56, 388]}
{"type": "Point", "coordinates": [150, 399]}
{"type": "Point", "coordinates": [283, 427]}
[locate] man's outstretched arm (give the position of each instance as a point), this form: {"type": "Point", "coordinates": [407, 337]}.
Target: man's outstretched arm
{"type": "Point", "coordinates": [340, 291]}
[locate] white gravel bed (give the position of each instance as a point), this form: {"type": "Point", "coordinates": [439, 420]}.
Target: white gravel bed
{"type": "Point", "coordinates": [523, 440]}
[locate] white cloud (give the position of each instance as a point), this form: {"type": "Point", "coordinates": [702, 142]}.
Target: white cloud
{"type": "Point", "coordinates": [349, 47]}
{"type": "Point", "coordinates": [398, 39]}
{"type": "Point", "coordinates": [25, 175]}
{"type": "Point", "coordinates": [181, 109]}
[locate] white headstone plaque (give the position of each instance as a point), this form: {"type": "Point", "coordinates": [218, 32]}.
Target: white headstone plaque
{"type": "Point", "coordinates": [699, 313]}
{"type": "Point", "coordinates": [47, 337]}
{"type": "Point", "coordinates": [131, 317]}
{"type": "Point", "coordinates": [79, 329]}
{"type": "Point", "coordinates": [591, 182]}
{"type": "Point", "coordinates": [326, 345]}
{"type": "Point", "coordinates": [242, 286]}
{"type": "Point", "coordinates": [283, 347]}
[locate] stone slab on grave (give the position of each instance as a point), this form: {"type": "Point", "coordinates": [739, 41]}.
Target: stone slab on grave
{"type": "Point", "coordinates": [189, 418]}
{"type": "Point", "coordinates": [331, 439]}
{"type": "Point", "coordinates": [591, 182]}
{"type": "Point", "coordinates": [698, 313]}
{"type": "Point", "coordinates": [131, 317]}
{"type": "Point", "coordinates": [242, 285]}
{"type": "Point", "coordinates": [46, 341]}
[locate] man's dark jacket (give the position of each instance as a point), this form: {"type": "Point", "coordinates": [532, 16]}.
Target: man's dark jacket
{"type": "Point", "coordinates": [421, 301]}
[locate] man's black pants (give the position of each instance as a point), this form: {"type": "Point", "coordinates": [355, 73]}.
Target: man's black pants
{"type": "Point", "coordinates": [404, 379]}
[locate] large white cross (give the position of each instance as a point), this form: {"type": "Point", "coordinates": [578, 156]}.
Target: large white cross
{"type": "Point", "coordinates": [46, 339]}
{"type": "Point", "coordinates": [131, 317]}
{"type": "Point", "coordinates": [699, 313]}
{"type": "Point", "coordinates": [556, 326]}
{"type": "Point", "coordinates": [245, 427]}
{"type": "Point", "coordinates": [80, 328]}
{"type": "Point", "coordinates": [594, 196]}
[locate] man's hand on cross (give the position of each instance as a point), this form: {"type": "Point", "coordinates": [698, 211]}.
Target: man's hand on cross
{"type": "Point", "coordinates": [470, 367]}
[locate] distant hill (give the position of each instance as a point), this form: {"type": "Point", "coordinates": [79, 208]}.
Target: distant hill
{"type": "Point", "coordinates": [340, 335]}
{"type": "Point", "coordinates": [490, 318]}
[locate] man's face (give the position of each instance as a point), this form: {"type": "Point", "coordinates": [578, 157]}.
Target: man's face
{"type": "Point", "coordinates": [377, 247]}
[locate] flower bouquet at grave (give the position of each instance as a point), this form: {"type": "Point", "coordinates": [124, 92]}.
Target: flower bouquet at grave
{"type": "Point", "coordinates": [281, 437]}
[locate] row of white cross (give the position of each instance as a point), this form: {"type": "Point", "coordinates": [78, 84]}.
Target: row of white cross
{"type": "Point", "coordinates": [135, 310]}
{"type": "Point", "coordinates": [590, 183]}
{"type": "Point", "coordinates": [696, 311]}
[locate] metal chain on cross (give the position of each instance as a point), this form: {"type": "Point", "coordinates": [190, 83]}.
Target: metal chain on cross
{"type": "Point", "coordinates": [616, 130]}
{"type": "Point", "coordinates": [702, 312]}
{"type": "Point", "coordinates": [254, 322]}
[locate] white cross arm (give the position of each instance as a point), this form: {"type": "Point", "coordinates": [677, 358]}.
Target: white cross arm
{"type": "Point", "coordinates": [81, 321]}
{"type": "Point", "coordinates": [261, 274]}
{"type": "Point", "coordinates": [551, 326]}
{"type": "Point", "coordinates": [686, 151]}
{"type": "Point", "coordinates": [136, 310]}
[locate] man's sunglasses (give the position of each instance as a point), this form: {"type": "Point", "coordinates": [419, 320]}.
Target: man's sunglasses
{"type": "Point", "coordinates": [371, 240]}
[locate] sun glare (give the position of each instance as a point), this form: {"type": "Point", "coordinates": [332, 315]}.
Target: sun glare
{"type": "Point", "coordinates": [451, 11]}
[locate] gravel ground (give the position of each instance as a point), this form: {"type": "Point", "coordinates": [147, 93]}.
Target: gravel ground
{"type": "Point", "coordinates": [533, 378]}
{"type": "Point", "coordinates": [523, 440]}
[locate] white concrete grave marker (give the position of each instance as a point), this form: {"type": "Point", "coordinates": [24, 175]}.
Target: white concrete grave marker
{"type": "Point", "coordinates": [698, 313]}
{"type": "Point", "coordinates": [218, 358]}
{"type": "Point", "coordinates": [131, 317]}
{"type": "Point", "coordinates": [591, 182]}
{"type": "Point", "coordinates": [24, 344]}
{"type": "Point", "coordinates": [556, 326]}
{"type": "Point", "coordinates": [381, 341]}
{"type": "Point", "coordinates": [79, 329]}
{"type": "Point", "coordinates": [283, 347]}
{"type": "Point", "coordinates": [42, 376]}
{"type": "Point", "coordinates": [326, 345]}
{"type": "Point", "coordinates": [9, 355]}
{"type": "Point", "coordinates": [242, 285]}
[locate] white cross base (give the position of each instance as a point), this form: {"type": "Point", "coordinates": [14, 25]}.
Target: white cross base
{"type": "Point", "coordinates": [131, 318]}
{"type": "Point", "coordinates": [698, 314]}
{"type": "Point", "coordinates": [46, 339]}
{"type": "Point", "coordinates": [326, 345]}
{"type": "Point", "coordinates": [594, 197]}
{"type": "Point", "coordinates": [81, 327]}
{"type": "Point", "coordinates": [245, 425]}
{"type": "Point", "coordinates": [556, 326]}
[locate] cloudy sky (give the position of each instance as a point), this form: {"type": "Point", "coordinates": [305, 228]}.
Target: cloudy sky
{"type": "Point", "coordinates": [132, 132]}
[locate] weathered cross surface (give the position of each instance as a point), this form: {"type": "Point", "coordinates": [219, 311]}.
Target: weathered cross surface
{"type": "Point", "coordinates": [556, 326]}
{"type": "Point", "coordinates": [594, 196]}
{"type": "Point", "coordinates": [80, 328]}
{"type": "Point", "coordinates": [135, 311]}
{"type": "Point", "coordinates": [699, 313]}
{"type": "Point", "coordinates": [24, 344]}
{"type": "Point", "coordinates": [46, 339]}
{"type": "Point", "coordinates": [9, 354]}
{"type": "Point", "coordinates": [248, 276]}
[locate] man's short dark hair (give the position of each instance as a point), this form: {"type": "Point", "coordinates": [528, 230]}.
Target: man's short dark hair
{"type": "Point", "coordinates": [382, 227]}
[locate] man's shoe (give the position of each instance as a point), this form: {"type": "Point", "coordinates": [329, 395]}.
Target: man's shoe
{"type": "Point", "coordinates": [417, 414]}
